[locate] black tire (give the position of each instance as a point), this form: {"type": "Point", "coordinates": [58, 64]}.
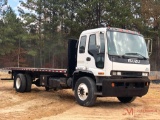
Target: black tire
{"type": "Point", "coordinates": [20, 83]}
{"type": "Point", "coordinates": [85, 89]}
{"type": "Point", "coordinates": [126, 99]}
{"type": "Point", "coordinates": [28, 83]}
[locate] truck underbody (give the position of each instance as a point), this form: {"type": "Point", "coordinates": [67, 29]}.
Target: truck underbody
{"type": "Point", "coordinates": [58, 79]}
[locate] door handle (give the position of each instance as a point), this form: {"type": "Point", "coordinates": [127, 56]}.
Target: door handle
{"type": "Point", "coordinates": [88, 59]}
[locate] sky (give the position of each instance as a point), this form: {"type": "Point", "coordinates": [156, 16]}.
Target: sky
{"type": "Point", "coordinates": [14, 4]}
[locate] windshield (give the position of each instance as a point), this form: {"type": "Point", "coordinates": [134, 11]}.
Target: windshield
{"type": "Point", "coordinates": [126, 44]}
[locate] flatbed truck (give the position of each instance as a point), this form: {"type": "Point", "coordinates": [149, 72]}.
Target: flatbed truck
{"type": "Point", "coordinates": [106, 62]}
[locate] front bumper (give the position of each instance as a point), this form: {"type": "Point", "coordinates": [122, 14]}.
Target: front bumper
{"type": "Point", "coordinates": [127, 87]}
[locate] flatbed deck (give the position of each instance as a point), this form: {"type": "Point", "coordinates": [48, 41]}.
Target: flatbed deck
{"type": "Point", "coordinates": [37, 69]}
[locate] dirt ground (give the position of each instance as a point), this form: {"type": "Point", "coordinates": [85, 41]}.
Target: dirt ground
{"type": "Point", "coordinates": [61, 105]}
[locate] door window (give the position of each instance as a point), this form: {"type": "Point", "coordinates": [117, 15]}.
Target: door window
{"type": "Point", "coordinates": [82, 44]}
{"type": "Point", "coordinates": [92, 48]}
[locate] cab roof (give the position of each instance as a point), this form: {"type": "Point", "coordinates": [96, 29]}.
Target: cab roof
{"type": "Point", "coordinates": [103, 29]}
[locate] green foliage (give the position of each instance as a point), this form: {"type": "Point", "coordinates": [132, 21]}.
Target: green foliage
{"type": "Point", "coordinates": [44, 30]}
{"type": "Point", "coordinates": [11, 38]}
{"type": "Point", "coordinates": [11, 31]}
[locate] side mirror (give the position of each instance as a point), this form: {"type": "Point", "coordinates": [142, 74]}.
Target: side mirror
{"type": "Point", "coordinates": [149, 45]}
{"type": "Point", "coordinates": [98, 48]}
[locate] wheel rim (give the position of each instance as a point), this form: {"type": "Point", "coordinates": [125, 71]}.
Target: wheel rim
{"type": "Point", "coordinates": [18, 83]}
{"type": "Point", "coordinates": [82, 91]}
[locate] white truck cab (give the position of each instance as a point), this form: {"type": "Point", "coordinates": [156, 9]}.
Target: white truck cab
{"type": "Point", "coordinates": [105, 51]}
{"type": "Point", "coordinates": [115, 60]}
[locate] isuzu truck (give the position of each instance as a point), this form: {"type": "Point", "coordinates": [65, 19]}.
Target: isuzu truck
{"type": "Point", "coordinates": [104, 62]}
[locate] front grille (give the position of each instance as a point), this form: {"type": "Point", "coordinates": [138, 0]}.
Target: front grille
{"type": "Point", "coordinates": [131, 84]}
{"type": "Point", "coordinates": [138, 74]}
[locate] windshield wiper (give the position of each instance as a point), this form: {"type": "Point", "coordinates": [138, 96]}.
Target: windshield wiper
{"type": "Point", "coordinates": [135, 54]}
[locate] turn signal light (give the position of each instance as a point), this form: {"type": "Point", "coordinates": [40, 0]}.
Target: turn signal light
{"type": "Point", "coordinates": [147, 83]}
{"type": "Point", "coordinates": [113, 85]}
{"type": "Point", "coordinates": [100, 73]}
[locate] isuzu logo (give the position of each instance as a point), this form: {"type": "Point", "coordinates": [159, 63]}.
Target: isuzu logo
{"type": "Point", "coordinates": [133, 61]}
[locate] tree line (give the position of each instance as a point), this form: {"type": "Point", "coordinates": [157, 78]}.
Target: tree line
{"type": "Point", "coordinates": [38, 38]}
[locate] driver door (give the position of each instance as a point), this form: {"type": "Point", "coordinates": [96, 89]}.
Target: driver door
{"type": "Point", "coordinates": [96, 50]}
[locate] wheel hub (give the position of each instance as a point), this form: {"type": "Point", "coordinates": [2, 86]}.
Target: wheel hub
{"type": "Point", "coordinates": [18, 83]}
{"type": "Point", "coordinates": [82, 91]}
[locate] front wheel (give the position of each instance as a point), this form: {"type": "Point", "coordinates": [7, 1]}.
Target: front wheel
{"type": "Point", "coordinates": [126, 99]}
{"type": "Point", "coordinates": [85, 89]}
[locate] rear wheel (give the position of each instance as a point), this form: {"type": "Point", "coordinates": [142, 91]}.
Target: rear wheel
{"type": "Point", "coordinates": [20, 83]}
{"type": "Point", "coordinates": [85, 89]}
{"type": "Point", "coordinates": [28, 83]}
{"type": "Point", "coordinates": [126, 99]}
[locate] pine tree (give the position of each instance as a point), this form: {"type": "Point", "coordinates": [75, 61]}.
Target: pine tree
{"type": "Point", "coordinates": [11, 34]}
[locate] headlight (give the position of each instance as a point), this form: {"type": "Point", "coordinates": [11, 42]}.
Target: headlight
{"type": "Point", "coordinates": [117, 73]}
{"type": "Point", "coordinates": [114, 73]}
{"type": "Point", "coordinates": [145, 74]}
